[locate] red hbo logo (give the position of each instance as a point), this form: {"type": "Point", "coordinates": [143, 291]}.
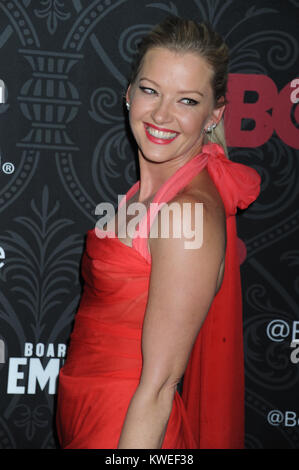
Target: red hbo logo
{"type": "Point", "coordinates": [271, 111]}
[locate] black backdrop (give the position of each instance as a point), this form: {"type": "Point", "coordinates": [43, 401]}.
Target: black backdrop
{"type": "Point", "coordinates": [65, 148]}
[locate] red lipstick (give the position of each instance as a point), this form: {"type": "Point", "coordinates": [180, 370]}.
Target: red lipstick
{"type": "Point", "coordinates": [157, 140]}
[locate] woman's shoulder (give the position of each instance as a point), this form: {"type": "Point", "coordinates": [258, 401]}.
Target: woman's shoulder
{"type": "Point", "coordinates": [194, 212]}
{"type": "Point", "coordinates": [206, 196]}
{"type": "Point", "coordinates": [202, 189]}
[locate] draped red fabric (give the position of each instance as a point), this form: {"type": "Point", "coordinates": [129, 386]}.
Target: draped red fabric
{"type": "Point", "coordinates": [213, 390]}
{"type": "Point", "coordinates": [104, 358]}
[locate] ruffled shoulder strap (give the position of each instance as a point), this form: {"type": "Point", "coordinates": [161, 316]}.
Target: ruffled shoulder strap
{"type": "Point", "coordinates": [238, 184]}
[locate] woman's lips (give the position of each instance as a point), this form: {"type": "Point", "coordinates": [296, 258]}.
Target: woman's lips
{"type": "Point", "coordinates": [159, 135]}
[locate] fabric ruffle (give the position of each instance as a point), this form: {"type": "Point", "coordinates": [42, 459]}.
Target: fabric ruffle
{"type": "Point", "coordinates": [238, 184]}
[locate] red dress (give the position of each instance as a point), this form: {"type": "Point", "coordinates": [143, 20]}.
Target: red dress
{"type": "Point", "coordinates": [104, 359]}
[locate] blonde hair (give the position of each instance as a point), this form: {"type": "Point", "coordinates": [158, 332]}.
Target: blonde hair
{"type": "Point", "coordinates": [183, 35]}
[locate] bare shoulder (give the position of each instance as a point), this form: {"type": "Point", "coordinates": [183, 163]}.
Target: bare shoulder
{"type": "Point", "coordinates": [190, 212]}
{"type": "Point", "coordinates": [189, 235]}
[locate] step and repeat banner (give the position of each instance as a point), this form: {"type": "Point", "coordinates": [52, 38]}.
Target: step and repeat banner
{"type": "Point", "coordinates": [65, 147]}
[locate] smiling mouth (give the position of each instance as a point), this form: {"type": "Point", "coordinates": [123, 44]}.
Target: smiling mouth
{"type": "Point", "coordinates": [165, 135]}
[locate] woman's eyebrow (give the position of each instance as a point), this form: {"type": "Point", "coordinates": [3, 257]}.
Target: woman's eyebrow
{"type": "Point", "coordinates": [149, 80]}
{"type": "Point", "coordinates": [191, 91]}
{"type": "Point", "coordinates": [180, 91]}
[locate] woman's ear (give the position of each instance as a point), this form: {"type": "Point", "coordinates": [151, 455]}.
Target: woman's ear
{"type": "Point", "coordinates": [217, 114]}
{"type": "Point", "coordinates": [128, 94]}
{"type": "Point", "coordinates": [215, 117]}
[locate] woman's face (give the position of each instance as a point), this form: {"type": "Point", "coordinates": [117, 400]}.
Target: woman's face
{"type": "Point", "coordinates": [171, 103]}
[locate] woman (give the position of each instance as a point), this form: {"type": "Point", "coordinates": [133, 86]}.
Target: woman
{"type": "Point", "coordinates": [153, 311]}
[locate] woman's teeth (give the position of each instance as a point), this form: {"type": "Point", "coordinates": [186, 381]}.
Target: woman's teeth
{"type": "Point", "coordinates": [161, 134]}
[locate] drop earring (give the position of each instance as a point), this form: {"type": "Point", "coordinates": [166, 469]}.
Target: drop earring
{"type": "Point", "coordinates": [128, 105]}
{"type": "Point", "coordinates": [210, 128]}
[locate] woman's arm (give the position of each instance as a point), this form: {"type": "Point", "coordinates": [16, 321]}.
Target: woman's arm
{"type": "Point", "coordinates": [182, 287]}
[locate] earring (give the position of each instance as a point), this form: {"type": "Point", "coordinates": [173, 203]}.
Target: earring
{"type": "Point", "coordinates": [210, 128]}
{"type": "Point", "coordinates": [128, 105]}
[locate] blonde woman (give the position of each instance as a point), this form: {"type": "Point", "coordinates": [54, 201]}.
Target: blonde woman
{"type": "Point", "coordinates": [154, 311]}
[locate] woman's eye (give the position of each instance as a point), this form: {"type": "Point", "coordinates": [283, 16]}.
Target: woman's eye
{"type": "Point", "coordinates": [189, 101]}
{"type": "Point", "coordinates": [148, 91]}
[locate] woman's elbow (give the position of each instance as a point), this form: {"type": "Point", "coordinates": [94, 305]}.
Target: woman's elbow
{"type": "Point", "coordinates": [161, 392]}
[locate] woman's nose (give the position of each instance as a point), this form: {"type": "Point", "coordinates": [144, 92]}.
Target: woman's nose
{"type": "Point", "coordinates": [162, 112]}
